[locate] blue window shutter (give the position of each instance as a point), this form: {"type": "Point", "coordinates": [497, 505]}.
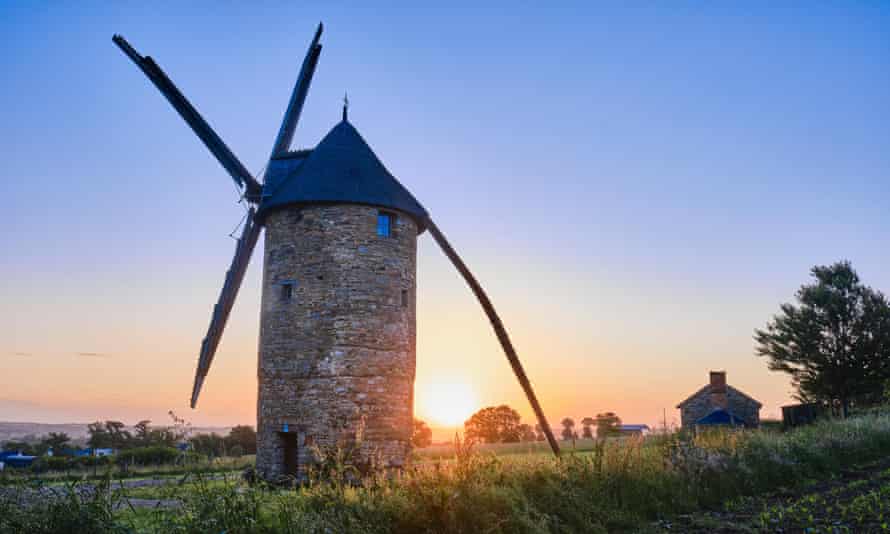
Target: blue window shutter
{"type": "Point", "coordinates": [384, 224]}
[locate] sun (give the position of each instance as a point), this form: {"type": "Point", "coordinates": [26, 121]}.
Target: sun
{"type": "Point", "coordinates": [446, 402]}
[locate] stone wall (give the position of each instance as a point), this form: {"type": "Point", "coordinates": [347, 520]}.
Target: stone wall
{"type": "Point", "coordinates": [337, 349]}
{"type": "Point", "coordinates": [703, 403]}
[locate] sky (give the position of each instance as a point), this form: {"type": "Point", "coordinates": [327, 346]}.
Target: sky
{"type": "Point", "coordinates": [638, 186]}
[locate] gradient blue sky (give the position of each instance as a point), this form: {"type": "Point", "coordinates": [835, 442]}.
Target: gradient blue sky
{"type": "Point", "coordinates": [637, 187]}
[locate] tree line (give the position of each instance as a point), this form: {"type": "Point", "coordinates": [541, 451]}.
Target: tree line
{"type": "Point", "coordinates": [503, 424]}
{"type": "Point", "coordinates": [116, 435]}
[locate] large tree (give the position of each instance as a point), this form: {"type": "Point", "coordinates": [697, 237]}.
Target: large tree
{"type": "Point", "coordinates": [142, 432]}
{"type": "Point", "coordinates": [57, 441]}
{"type": "Point", "coordinates": [422, 435]}
{"type": "Point", "coordinates": [835, 342]}
{"type": "Point", "coordinates": [243, 436]}
{"type": "Point", "coordinates": [527, 433]}
{"type": "Point", "coordinates": [120, 436]}
{"type": "Point", "coordinates": [586, 424]}
{"type": "Point", "coordinates": [494, 424]}
{"type": "Point", "coordinates": [99, 436]}
{"type": "Point", "coordinates": [568, 428]}
{"type": "Point", "coordinates": [607, 424]}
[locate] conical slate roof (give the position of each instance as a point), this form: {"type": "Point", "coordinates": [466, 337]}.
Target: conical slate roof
{"type": "Point", "coordinates": [341, 169]}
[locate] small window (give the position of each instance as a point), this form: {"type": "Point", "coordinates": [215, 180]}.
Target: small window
{"type": "Point", "coordinates": [404, 298]}
{"type": "Point", "coordinates": [287, 291]}
{"type": "Point", "coordinates": [384, 224]}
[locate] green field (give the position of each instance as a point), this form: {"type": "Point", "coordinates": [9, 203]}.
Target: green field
{"type": "Point", "coordinates": [133, 472]}
{"type": "Point", "coordinates": [830, 477]}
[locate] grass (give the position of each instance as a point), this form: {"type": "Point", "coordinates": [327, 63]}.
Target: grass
{"type": "Point", "coordinates": [135, 472]}
{"type": "Point", "coordinates": [854, 502]}
{"type": "Point", "coordinates": [615, 486]}
{"type": "Point", "coordinates": [445, 452]}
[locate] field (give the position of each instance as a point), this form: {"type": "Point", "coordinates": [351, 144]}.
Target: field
{"type": "Point", "coordinates": [830, 477]}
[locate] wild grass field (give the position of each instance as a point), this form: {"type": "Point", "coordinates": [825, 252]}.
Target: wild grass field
{"type": "Point", "coordinates": [829, 477]}
{"type": "Point", "coordinates": [118, 472]}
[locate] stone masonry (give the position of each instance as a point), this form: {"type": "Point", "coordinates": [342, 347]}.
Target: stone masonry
{"type": "Point", "coordinates": [337, 337]}
{"type": "Point", "coordinates": [717, 394]}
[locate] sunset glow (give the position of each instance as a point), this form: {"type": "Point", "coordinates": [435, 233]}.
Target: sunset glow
{"type": "Point", "coordinates": [636, 191]}
{"type": "Point", "coordinates": [446, 403]}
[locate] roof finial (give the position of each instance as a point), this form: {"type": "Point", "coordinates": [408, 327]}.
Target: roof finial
{"type": "Point", "coordinates": [345, 105]}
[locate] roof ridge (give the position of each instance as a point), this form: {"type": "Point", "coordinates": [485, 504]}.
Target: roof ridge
{"type": "Point", "coordinates": [707, 387]}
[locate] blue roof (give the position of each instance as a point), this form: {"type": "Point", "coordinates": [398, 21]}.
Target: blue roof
{"type": "Point", "coordinates": [721, 417]}
{"type": "Point", "coordinates": [341, 169]}
{"type": "Point", "coordinates": [19, 460]}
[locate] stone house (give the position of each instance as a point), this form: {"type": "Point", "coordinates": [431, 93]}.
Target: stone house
{"type": "Point", "coordinates": [718, 403]}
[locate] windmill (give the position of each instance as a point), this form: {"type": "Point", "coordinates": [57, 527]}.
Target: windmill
{"type": "Point", "coordinates": [337, 325]}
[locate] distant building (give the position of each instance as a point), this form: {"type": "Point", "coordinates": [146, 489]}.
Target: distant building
{"type": "Point", "coordinates": [18, 460]}
{"type": "Point", "coordinates": [801, 414]}
{"type": "Point", "coordinates": [633, 430]}
{"type": "Point", "coordinates": [94, 452]}
{"type": "Point", "coordinates": [718, 403]}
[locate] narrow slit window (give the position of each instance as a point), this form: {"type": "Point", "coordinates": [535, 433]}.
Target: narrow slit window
{"type": "Point", "coordinates": [384, 224]}
{"type": "Point", "coordinates": [287, 291]}
{"type": "Point", "coordinates": [404, 298]}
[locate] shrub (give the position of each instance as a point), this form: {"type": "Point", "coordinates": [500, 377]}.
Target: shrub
{"type": "Point", "coordinates": [74, 508]}
{"type": "Point", "coordinates": [155, 455]}
{"type": "Point", "coordinates": [68, 463]}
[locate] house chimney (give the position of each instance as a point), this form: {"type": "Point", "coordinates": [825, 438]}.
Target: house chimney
{"type": "Point", "coordinates": [718, 390]}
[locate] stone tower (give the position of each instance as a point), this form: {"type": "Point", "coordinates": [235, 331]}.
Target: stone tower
{"type": "Point", "coordinates": [337, 326]}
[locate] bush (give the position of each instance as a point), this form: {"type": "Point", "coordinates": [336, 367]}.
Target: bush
{"type": "Point", "coordinates": [72, 509]}
{"type": "Point", "coordinates": [155, 455]}
{"type": "Point", "coordinates": [67, 463]}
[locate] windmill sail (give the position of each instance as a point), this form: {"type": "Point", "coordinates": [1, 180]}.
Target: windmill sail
{"type": "Point", "coordinates": [223, 154]}
{"type": "Point", "coordinates": [223, 307]}
{"type": "Point", "coordinates": [499, 330]}
{"type": "Point", "coordinates": [298, 97]}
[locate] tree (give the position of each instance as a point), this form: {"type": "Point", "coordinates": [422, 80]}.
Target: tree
{"type": "Point", "coordinates": [494, 425]}
{"type": "Point", "coordinates": [607, 424]}
{"type": "Point", "coordinates": [99, 436]}
{"type": "Point", "coordinates": [568, 428]}
{"type": "Point", "coordinates": [19, 446]}
{"type": "Point", "coordinates": [142, 432]}
{"type": "Point", "coordinates": [119, 437]}
{"type": "Point", "coordinates": [56, 441]}
{"type": "Point", "coordinates": [527, 433]}
{"type": "Point", "coordinates": [110, 434]}
{"type": "Point", "coordinates": [422, 435]}
{"type": "Point", "coordinates": [835, 342]}
{"type": "Point", "coordinates": [539, 433]}
{"type": "Point", "coordinates": [586, 423]}
{"type": "Point", "coordinates": [164, 436]}
{"type": "Point", "coordinates": [212, 444]}
{"type": "Point", "coordinates": [243, 436]}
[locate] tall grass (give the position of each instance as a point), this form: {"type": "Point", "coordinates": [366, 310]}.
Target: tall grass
{"type": "Point", "coordinates": [616, 486]}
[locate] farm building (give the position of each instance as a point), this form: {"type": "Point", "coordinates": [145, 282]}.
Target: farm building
{"type": "Point", "coordinates": [718, 403]}
{"type": "Point", "coordinates": [16, 459]}
{"type": "Point", "coordinates": [633, 430]}
{"type": "Point", "coordinates": [94, 452]}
